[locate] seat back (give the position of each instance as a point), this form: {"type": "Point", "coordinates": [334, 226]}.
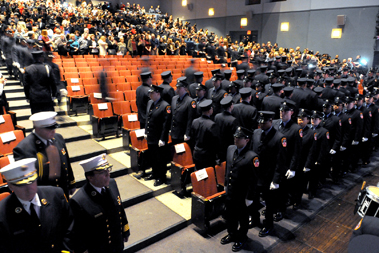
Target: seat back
{"type": "Point", "coordinates": [7, 147]}
{"type": "Point", "coordinates": [206, 187]}
{"type": "Point", "coordinates": [102, 113]}
{"type": "Point", "coordinates": [183, 158]}
{"type": "Point", "coordinates": [7, 125]}
{"type": "Point", "coordinates": [121, 107]}
{"type": "Point", "coordinates": [117, 95]}
{"type": "Point", "coordinates": [4, 195]}
{"type": "Point", "coordinates": [220, 173]}
{"type": "Point", "coordinates": [130, 125]}
{"type": "Point", "coordinates": [4, 161]}
{"type": "Point", "coordinates": [139, 143]}
{"type": "Point", "coordinates": [73, 90]}
{"type": "Point", "coordinates": [133, 105]}
{"type": "Point", "coordinates": [130, 95]}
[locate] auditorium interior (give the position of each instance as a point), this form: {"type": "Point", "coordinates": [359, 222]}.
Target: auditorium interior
{"type": "Point", "coordinates": [159, 220]}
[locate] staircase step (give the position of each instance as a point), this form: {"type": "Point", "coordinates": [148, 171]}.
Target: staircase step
{"type": "Point", "coordinates": [18, 104]}
{"type": "Point", "coordinates": [73, 133]}
{"type": "Point", "coordinates": [15, 96]}
{"type": "Point", "coordinates": [15, 87]}
{"type": "Point", "coordinates": [149, 222]}
{"type": "Point", "coordinates": [84, 149]}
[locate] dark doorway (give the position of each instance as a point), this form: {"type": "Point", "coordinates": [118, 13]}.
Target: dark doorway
{"type": "Point", "coordinates": [239, 36]}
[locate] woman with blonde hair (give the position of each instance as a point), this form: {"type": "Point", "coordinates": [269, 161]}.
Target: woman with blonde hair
{"type": "Point", "coordinates": [102, 45]}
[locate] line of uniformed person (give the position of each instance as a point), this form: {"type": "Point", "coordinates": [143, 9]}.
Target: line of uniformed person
{"type": "Point", "coordinates": [321, 128]}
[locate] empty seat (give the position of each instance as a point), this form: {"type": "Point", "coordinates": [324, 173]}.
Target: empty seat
{"type": "Point", "coordinates": [4, 161]}
{"type": "Point", "coordinates": [6, 124]}
{"type": "Point", "coordinates": [71, 75]}
{"type": "Point", "coordinates": [138, 151]}
{"type": "Point", "coordinates": [104, 122]}
{"type": "Point", "coordinates": [207, 202]}
{"type": "Point", "coordinates": [124, 87]}
{"type": "Point", "coordinates": [133, 105]}
{"type": "Point", "coordinates": [181, 166]}
{"type": "Point", "coordinates": [9, 140]}
{"type": "Point", "coordinates": [77, 99]}
{"type": "Point", "coordinates": [130, 95]}
{"type": "Point", "coordinates": [116, 95]}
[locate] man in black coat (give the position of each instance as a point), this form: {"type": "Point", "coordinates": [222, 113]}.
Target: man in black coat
{"type": "Point", "coordinates": [216, 94]}
{"type": "Point", "coordinates": [190, 71]}
{"type": "Point", "coordinates": [244, 64]}
{"type": "Point", "coordinates": [271, 147]}
{"type": "Point", "coordinates": [54, 167]}
{"type": "Point", "coordinates": [142, 97]}
{"type": "Point", "coordinates": [294, 134]}
{"type": "Point", "coordinates": [100, 220]}
{"type": "Point", "coordinates": [355, 120]}
{"type": "Point", "coordinates": [210, 82]}
{"type": "Point", "coordinates": [301, 96]}
{"type": "Point", "coordinates": [193, 86]}
{"type": "Point", "coordinates": [332, 124]}
{"type": "Point", "coordinates": [233, 89]}
{"type": "Point", "coordinates": [328, 92]}
{"type": "Point", "coordinates": [39, 85]}
{"type": "Point", "coordinates": [201, 95]}
{"type": "Point", "coordinates": [272, 103]}
{"type": "Point", "coordinates": [158, 119]}
{"type": "Point", "coordinates": [227, 124]}
{"type": "Point", "coordinates": [168, 92]}
{"type": "Point", "coordinates": [244, 112]}
{"type": "Point", "coordinates": [204, 138]}
{"type": "Point", "coordinates": [33, 218]}
{"type": "Point", "coordinates": [366, 131]}
{"type": "Point", "coordinates": [183, 111]}
{"type": "Point", "coordinates": [241, 164]}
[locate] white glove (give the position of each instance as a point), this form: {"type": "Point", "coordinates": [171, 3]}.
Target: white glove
{"type": "Point", "coordinates": [374, 135]}
{"type": "Point", "coordinates": [332, 152]}
{"type": "Point", "coordinates": [342, 148]}
{"type": "Point", "coordinates": [14, 64]}
{"type": "Point", "coordinates": [306, 169]}
{"type": "Point", "coordinates": [248, 202]}
{"type": "Point", "coordinates": [53, 98]}
{"type": "Point", "coordinates": [186, 138]}
{"type": "Point", "coordinates": [145, 136]}
{"type": "Point", "coordinates": [290, 174]}
{"type": "Point", "coordinates": [364, 139]}
{"type": "Point", "coordinates": [274, 186]}
{"type": "Point", "coordinates": [63, 92]}
{"type": "Point", "coordinates": [354, 143]}
{"type": "Point", "coordinates": [22, 71]}
{"type": "Point", "coordinates": [161, 143]}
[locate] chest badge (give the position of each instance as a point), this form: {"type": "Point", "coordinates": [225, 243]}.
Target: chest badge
{"type": "Point", "coordinates": [256, 162]}
{"type": "Point", "coordinates": [168, 109]}
{"type": "Point", "coordinates": [284, 142]}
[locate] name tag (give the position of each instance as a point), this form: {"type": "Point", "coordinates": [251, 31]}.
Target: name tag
{"type": "Point", "coordinates": [201, 174]}
{"type": "Point", "coordinates": [98, 215]}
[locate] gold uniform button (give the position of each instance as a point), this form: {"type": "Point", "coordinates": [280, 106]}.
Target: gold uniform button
{"type": "Point", "coordinates": [106, 220]}
{"type": "Point", "coordinates": [64, 163]}
{"type": "Point", "coordinates": [107, 226]}
{"type": "Point", "coordinates": [109, 231]}
{"type": "Point", "coordinates": [52, 245]}
{"type": "Point", "coordinates": [120, 218]}
{"type": "Point", "coordinates": [110, 241]}
{"type": "Point", "coordinates": [119, 212]}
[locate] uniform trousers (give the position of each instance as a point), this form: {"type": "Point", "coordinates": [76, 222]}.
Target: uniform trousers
{"type": "Point", "coordinates": [271, 199]}
{"type": "Point", "coordinates": [42, 107]}
{"type": "Point", "coordinates": [237, 214]}
{"type": "Point", "coordinates": [158, 161]}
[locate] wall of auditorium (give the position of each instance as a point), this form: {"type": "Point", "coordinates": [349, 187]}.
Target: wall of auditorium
{"type": "Point", "coordinates": [311, 23]}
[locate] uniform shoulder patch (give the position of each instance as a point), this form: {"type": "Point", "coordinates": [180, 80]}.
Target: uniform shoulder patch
{"type": "Point", "coordinates": [301, 132]}
{"type": "Point", "coordinates": [256, 162]}
{"type": "Point", "coordinates": [327, 135]}
{"type": "Point", "coordinates": [361, 114]}
{"type": "Point", "coordinates": [350, 121]}
{"type": "Point", "coordinates": [358, 226]}
{"type": "Point", "coordinates": [315, 136]}
{"type": "Point", "coordinates": [225, 94]}
{"type": "Point", "coordinates": [370, 114]}
{"type": "Point", "coordinates": [193, 104]}
{"type": "Point", "coordinates": [240, 100]}
{"type": "Point", "coordinates": [168, 109]}
{"type": "Point", "coordinates": [284, 141]}
{"type": "Point", "coordinates": [340, 122]}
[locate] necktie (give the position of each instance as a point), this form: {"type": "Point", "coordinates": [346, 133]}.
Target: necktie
{"type": "Point", "coordinates": [33, 213]}
{"type": "Point", "coordinates": [263, 136]}
{"type": "Point", "coordinates": [54, 159]}
{"type": "Point", "coordinates": [103, 191]}
{"type": "Point", "coordinates": [235, 155]}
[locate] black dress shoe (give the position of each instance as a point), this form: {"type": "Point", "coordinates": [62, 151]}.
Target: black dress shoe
{"type": "Point", "coordinates": [158, 182]}
{"type": "Point", "coordinates": [265, 231]}
{"type": "Point", "coordinates": [278, 216]}
{"type": "Point", "coordinates": [226, 239]}
{"type": "Point", "coordinates": [151, 177]}
{"type": "Point", "coordinates": [237, 246]}
{"type": "Point", "coordinates": [140, 175]}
